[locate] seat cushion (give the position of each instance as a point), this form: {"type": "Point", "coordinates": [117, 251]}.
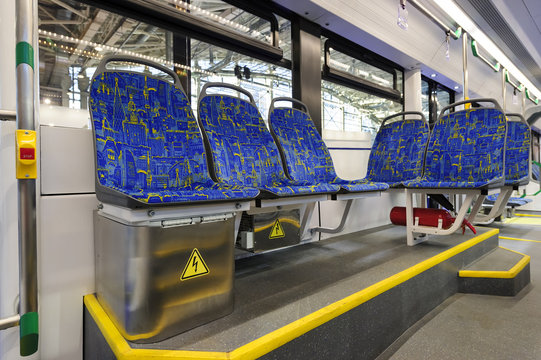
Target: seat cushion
{"type": "Point", "coordinates": [513, 201]}
{"type": "Point", "coordinates": [243, 150]}
{"type": "Point", "coordinates": [421, 183]}
{"type": "Point", "coordinates": [290, 188]}
{"type": "Point", "coordinates": [307, 158]}
{"type": "Point", "coordinates": [148, 143]}
{"type": "Point", "coordinates": [194, 193]}
{"type": "Point", "coordinates": [360, 185]}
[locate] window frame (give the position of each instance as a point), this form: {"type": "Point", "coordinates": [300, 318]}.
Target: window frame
{"type": "Point", "coordinates": [360, 53]}
{"type": "Point", "coordinates": [434, 86]}
{"type": "Point", "coordinates": [166, 17]}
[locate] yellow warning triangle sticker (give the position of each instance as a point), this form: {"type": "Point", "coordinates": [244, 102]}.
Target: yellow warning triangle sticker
{"type": "Point", "coordinates": [277, 231]}
{"type": "Point", "coordinates": [195, 267]}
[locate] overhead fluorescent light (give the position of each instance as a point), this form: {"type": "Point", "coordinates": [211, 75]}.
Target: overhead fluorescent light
{"type": "Point", "coordinates": [464, 21]}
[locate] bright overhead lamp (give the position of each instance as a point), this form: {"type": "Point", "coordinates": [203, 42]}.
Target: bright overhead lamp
{"type": "Point", "coordinates": [464, 21]}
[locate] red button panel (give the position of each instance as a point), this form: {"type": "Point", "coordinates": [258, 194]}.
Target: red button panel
{"type": "Point", "coordinates": [27, 154]}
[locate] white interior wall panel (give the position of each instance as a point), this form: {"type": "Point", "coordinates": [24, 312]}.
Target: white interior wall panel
{"type": "Point", "coordinates": [365, 213]}
{"type": "Point", "coordinates": [7, 57]}
{"type": "Point", "coordinates": [66, 273]}
{"type": "Point", "coordinates": [67, 160]}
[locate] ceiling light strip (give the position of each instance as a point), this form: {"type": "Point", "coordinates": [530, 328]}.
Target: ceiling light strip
{"type": "Point", "coordinates": [467, 24]}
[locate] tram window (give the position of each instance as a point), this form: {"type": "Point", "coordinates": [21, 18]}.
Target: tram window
{"type": "Point", "coordinates": [73, 42]}
{"type": "Point", "coordinates": [434, 97]}
{"type": "Point", "coordinates": [425, 99]}
{"type": "Point", "coordinates": [264, 80]}
{"type": "Point", "coordinates": [360, 69]}
{"type": "Point", "coordinates": [346, 109]}
{"type": "Point", "coordinates": [74, 37]}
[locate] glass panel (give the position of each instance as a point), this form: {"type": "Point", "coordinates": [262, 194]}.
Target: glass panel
{"type": "Point", "coordinates": [73, 42]}
{"type": "Point", "coordinates": [443, 98]}
{"type": "Point", "coordinates": [284, 26]}
{"type": "Point", "coordinates": [343, 62]}
{"type": "Point", "coordinates": [425, 99]}
{"type": "Point", "coordinates": [214, 64]}
{"type": "Point", "coordinates": [346, 109]}
{"type": "Point", "coordinates": [74, 37]}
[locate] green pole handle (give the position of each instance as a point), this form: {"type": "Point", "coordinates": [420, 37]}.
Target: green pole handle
{"type": "Point", "coordinates": [29, 333]}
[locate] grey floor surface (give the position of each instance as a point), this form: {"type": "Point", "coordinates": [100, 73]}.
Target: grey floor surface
{"type": "Point", "coordinates": [277, 288]}
{"type": "Point", "coordinates": [478, 327]}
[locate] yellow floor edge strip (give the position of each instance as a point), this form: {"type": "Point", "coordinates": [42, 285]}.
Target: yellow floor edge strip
{"type": "Point", "coordinates": [528, 215]}
{"type": "Point", "coordinates": [283, 335]}
{"type": "Point", "coordinates": [499, 274]}
{"type": "Point", "coordinates": [518, 239]}
{"type": "Point", "coordinates": [522, 220]}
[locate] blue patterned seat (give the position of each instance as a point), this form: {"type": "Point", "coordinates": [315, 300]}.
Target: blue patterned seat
{"type": "Point", "coordinates": [517, 151]}
{"type": "Point", "coordinates": [398, 151]}
{"type": "Point", "coordinates": [466, 150]}
{"type": "Point", "coordinates": [243, 150]}
{"type": "Point", "coordinates": [305, 154]}
{"type": "Point", "coordinates": [149, 149]}
{"type": "Point", "coordinates": [513, 202]}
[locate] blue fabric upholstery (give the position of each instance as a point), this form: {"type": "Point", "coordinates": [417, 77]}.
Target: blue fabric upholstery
{"type": "Point", "coordinates": [148, 144]}
{"type": "Point", "coordinates": [465, 150]}
{"type": "Point", "coordinates": [398, 152]}
{"type": "Point", "coordinates": [517, 153]}
{"type": "Point", "coordinates": [306, 155]}
{"type": "Point", "coordinates": [514, 201]}
{"type": "Point", "coordinates": [243, 150]}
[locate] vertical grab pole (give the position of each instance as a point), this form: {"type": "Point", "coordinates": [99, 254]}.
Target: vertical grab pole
{"type": "Point", "coordinates": [28, 285]}
{"type": "Point", "coordinates": [523, 101]}
{"type": "Point", "coordinates": [504, 90]}
{"type": "Point", "coordinates": [465, 66]}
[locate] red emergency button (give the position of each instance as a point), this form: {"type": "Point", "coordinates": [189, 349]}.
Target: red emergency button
{"type": "Point", "coordinates": [27, 153]}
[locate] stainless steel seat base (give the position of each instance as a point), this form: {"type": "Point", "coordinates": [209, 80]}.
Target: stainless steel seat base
{"type": "Point", "coordinates": [152, 285]}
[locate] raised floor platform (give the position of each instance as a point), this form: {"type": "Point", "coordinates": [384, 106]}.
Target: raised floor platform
{"type": "Point", "coordinates": [347, 297]}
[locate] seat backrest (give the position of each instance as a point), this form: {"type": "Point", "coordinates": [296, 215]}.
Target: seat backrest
{"type": "Point", "coordinates": [399, 148]}
{"type": "Point", "coordinates": [467, 145]}
{"type": "Point", "coordinates": [517, 150]}
{"type": "Point", "coordinates": [242, 148]}
{"type": "Point", "coordinates": [146, 136]}
{"type": "Point", "coordinates": [302, 149]}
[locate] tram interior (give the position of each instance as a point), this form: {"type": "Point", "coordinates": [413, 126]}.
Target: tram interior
{"type": "Point", "coordinates": [132, 104]}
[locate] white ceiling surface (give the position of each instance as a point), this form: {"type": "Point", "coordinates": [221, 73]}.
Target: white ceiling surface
{"type": "Point", "coordinates": [525, 21]}
{"type": "Point", "coordinates": [524, 17]}
{"type": "Point", "coordinates": [372, 24]}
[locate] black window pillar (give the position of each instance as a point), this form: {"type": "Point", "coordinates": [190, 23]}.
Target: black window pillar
{"type": "Point", "coordinates": [306, 74]}
{"type": "Point", "coordinates": [181, 55]}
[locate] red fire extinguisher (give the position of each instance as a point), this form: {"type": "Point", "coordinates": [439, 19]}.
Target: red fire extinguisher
{"type": "Point", "coordinates": [428, 217]}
